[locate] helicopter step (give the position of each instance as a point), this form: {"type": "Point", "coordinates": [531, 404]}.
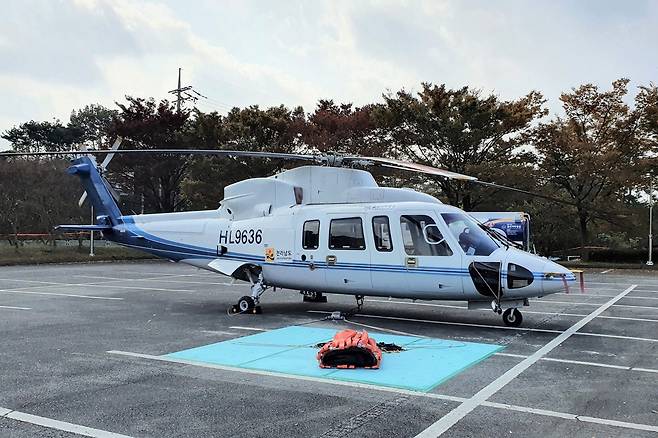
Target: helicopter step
{"type": "Point", "coordinates": [313, 296]}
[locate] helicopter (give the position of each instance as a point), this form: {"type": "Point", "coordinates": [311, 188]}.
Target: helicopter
{"type": "Point", "coordinates": [328, 227]}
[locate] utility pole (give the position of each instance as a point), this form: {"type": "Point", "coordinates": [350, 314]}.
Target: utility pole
{"type": "Point", "coordinates": [178, 92]}
{"type": "Point", "coordinates": [91, 238]}
{"type": "Point", "coordinates": [650, 261]}
{"type": "Point", "coordinates": [184, 93]}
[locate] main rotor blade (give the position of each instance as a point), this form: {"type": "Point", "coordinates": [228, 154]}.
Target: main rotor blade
{"type": "Point", "coordinates": [525, 192]}
{"type": "Point", "coordinates": [212, 152]}
{"type": "Point", "coordinates": [415, 167]}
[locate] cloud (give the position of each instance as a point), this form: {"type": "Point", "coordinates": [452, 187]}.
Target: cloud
{"type": "Point", "coordinates": [61, 55]}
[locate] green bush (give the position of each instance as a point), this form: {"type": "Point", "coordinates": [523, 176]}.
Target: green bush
{"type": "Point", "coordinates": [621, 255]}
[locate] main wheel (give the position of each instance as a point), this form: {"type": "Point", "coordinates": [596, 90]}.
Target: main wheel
{"type": "Point", "coordinates": [512, 317]}
{"type": "Point", "coordinates": [246, 303]}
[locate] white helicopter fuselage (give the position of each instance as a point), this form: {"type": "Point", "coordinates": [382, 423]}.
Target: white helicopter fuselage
{"type": "Point", "coordinates": [334, 230]}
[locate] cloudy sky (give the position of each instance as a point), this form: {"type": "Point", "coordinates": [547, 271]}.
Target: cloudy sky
{"type": "Point", "coordinates": [57, 55]}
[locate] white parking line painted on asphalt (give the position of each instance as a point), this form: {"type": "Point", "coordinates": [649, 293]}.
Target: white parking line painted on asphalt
{"type": "Point", "coordinates": [156, 273]}
{"type": "Point", "coordinates": [415, 303]}
{"type": "Point", "coordinates": [114, 286]}
{"type": "Point", "coordinates": [632, 297]}
{"type": "Point", "coordinates": [603, 421]}
{"type": "Point", "coordinates": [113, 279]}
{"type": "Point", "coordinates": [253, 329]}
{"type": "Point", "coordinates": [58, 425]}
{"type": "Point", "coordinates": [627, 318]}
{"type": "Point", "coordinates": [15, 308]}
{"type": "Point", "coordinates": [502, 406]}
{"type": "Point", "coordinates": [617, 283]}
{"type": "Point", "coordinates": [450, 419]}
{"type": "Point", "coordinates": [218, 332]}
{"type": "Point", "coordinates": [606, 271]}
{"type": "Point", "coordinates": [59, 294]}
{"type": "Point", "coordinates": [646, 370]}
{"type": "Point", "coordinates": [400, 318]}
{"type": "Point", "coordinates": [198, 274]}
{"type": "Point", "coordinates": [499, 327]}
{"type": "Point", "coordinates": [629, 338]}
{"type": "Point", "coordinates": [411, 303]}
{"type": "Point", "coordinates": [592, 304]}
{"type": "Point", "coordinates": [579, 362]}
{"type": "Point", "coordinates": [101, 285]}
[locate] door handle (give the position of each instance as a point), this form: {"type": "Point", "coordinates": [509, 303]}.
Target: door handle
{"type": "Point", "coordinates": [412, 262]}
{"type": "Point", "coordinates": [331, 260]}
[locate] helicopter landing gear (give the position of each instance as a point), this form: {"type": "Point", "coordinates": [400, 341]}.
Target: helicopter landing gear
{"type": "Point", "coordinates": [249, 304]}
{"type": "Point", "coordinates": [512, 317]}
{"type": "Point", "coordinates": [359, 302]}
{"type": "Point", "coordinates": [313, 296]}
{"type": "Point", "coordinates": [245, 305]}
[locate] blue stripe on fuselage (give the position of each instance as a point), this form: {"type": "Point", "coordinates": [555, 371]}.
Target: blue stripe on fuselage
{"type": "Point", "coordinates": [177, 251]}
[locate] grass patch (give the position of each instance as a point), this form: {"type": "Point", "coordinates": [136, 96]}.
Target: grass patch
{"type": "Point", "coordinates": [607, 265]}
{"type": "Point", "coordinates": [38, 254]}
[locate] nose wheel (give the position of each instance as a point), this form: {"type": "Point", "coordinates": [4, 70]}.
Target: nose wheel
{"type": "Point", "coordinates": [512, 317]}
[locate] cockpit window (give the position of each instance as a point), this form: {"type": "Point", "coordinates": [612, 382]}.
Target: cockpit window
{"type": "Point", "coordinates": [421, 237]}
{"type": "Point", "coordinates": [472, 239]}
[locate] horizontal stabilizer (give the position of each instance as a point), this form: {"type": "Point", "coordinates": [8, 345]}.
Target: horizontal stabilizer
{"type": "Point", "coordinates": [83, 227]}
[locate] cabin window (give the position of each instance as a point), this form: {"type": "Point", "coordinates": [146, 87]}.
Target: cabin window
{"type": "Point", "coordinates": [346, 234]}
{"type": "Point", "coordinates": [421, 237]}
{"type": "Point", "coordinates": [311, 235]}
{"type": "Point", "coordinates": [382, 233]}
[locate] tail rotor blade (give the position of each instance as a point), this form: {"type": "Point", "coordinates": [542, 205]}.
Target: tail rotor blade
{"type": "Point", "coordinates": [84, 194]}
{"type": "Point", "coordinates": [109, 156]}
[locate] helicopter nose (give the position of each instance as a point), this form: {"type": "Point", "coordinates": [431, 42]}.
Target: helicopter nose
{"type": "Point", "coordinates": [557, 278]}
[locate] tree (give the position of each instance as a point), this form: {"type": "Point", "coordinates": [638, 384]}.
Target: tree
{"type": "Point", "coordinates": [276, 129]}
{"type": "Point", "coordinates": [93, 123]}
{"type": "Point", "coordinates": [461, 131]}
{"type": "Point", "coordinates": [343, 129]}
{"type": "Point", "coordinates": [147, 124]}
{"type": "Point", "coordinates": [42, 136]}
{"type": "Point", "coordinates": [36, 196]}
{"type": "Point", "coordinates": [597, 153]}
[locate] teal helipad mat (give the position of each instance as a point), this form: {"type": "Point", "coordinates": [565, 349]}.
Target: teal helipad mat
{"type": "Point", "coordinates": [424, 363]}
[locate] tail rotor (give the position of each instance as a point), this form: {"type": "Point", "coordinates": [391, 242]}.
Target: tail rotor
{"type": "Point", "coordinates": [101, 169]}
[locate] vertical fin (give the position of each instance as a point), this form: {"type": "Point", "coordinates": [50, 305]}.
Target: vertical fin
{"type": "Point", "coordinates": [98, 193]}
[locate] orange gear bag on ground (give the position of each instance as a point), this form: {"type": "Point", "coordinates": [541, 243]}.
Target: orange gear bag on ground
{"type": "Point", "coordinates": [350, 349]}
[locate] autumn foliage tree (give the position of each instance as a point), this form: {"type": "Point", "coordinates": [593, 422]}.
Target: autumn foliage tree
{"type": "Point", "coordinates": [343, 129]}
{"type": "Point", "coordinates": [275, 129]}
{"type": "Point", "coordinates": [596, 153]}
{"type": "Point", "coordinates": [597, 156]}
{"type": "Point", "coordinates": [461, 131]}
{"type": "Point", "coordinates": [154, 178]}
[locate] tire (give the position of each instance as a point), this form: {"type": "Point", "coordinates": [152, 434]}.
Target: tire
{"type": "Point", "coordinates": [246, 303]}
{"type": "Point", "coordinates": [512, 317]}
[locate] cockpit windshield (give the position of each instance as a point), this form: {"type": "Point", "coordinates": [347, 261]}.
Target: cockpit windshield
{"type": "Point", "coordinates": [472, 239]}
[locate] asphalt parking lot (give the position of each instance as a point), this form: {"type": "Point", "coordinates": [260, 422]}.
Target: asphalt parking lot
{"type": "Point", "coordinates": [82, 345]}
